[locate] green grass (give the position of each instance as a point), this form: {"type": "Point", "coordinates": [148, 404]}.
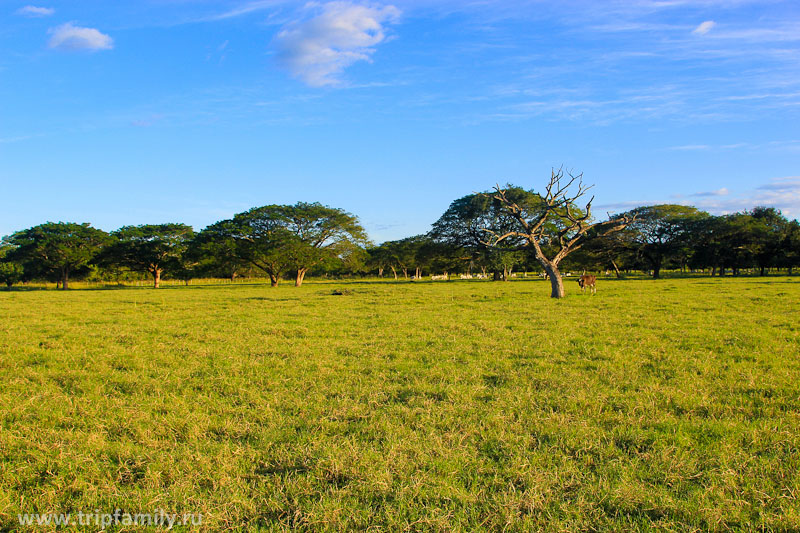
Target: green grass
{"type": "Point", "coordinates": [454, 406]}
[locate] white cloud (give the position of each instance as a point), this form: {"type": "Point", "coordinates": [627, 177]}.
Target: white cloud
{"type": "Point", "coordinates": [690, 147]}
{"type": "Point", "coordinates": [250, 7]}
{"type": "Point", "coordinates": [317, 50]}
{"type": "Point", "coordinates": [704, 28]}
{"type": "Point", "coordinates": [781, 193]}
{"type": "Point", "coordinates": [69, 37]}
{"type": "Point", "coordinates": [719, 192]}
{"type": "Point", "coordinates": [33, 11]}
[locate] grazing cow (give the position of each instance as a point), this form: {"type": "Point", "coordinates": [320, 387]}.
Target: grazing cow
{"type": "Point", "coordinates": [588, 281]}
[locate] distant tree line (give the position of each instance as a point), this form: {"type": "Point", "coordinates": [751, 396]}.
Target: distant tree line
{"type": "Point", "coordinates": [270, 241]}
{"type": "Point", "coordinates": [492, 234]}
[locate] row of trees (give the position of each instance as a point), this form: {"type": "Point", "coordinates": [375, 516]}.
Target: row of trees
{"type": "Point", "coordinates": [674, 237]}
{"type": "Point", "coordinates": [493, 233]}
{"type": "Point", "coordinates": [507, 229]}
{"type": "Point", "coordinates": [275, 239]}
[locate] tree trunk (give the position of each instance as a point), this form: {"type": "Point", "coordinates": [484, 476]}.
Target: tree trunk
{"type": "Point", "coordinates": [556, 283]}
{"type": "Point", "coordinates": [656, 271]}
{"type": "Point", "coordinates": [495, 275]}
{"type": "Point", "coordinates": [763, 271]}
{"type": "Point", "coordinates": [301, 274]}
{"type": "Point", "coordinates": [380, 272]}
{"type": "Point", "coordinates": [616, 269]}
{"type": "Point", "coordinates": [394, 271]}
{"type": "Point", "coordinates": [65, 280]}
{"type": "Point", "coordinates": [233, 276]}
{"type": "Point", "coordinates": [405, 272]}
{"type": "Point", "coordinates": [156, 277]}
{"type": "Point", "coordinates": [273, 280]}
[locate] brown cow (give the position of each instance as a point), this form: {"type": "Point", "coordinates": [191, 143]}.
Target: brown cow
{"type": "Point", "coordinates": [588, 281]}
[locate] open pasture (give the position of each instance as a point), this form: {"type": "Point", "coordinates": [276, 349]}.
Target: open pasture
{"type": "Point", "coordinates": [457, 406]}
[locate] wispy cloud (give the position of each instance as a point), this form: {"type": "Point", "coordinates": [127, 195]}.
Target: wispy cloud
{"type": "Point", "coordinates": [319, 49]}
{"type": "Point", "coordinates": [8, 140]}
{"type": "Point", "coordinates": [782, 193]}
{"type": "Point", "coordinates": [34, 11]}
{"type": "Point", "coordinates": [780, 146]}
{"type": "Point", "coordinates": [704, 28]}
{"type": "Point", "coordinates": [790, 183]}
{"type": "Point", "coordinates": [719, 192]}
{"type": "Point", "coordinates": [245, 9]}
{"type": "Point", "coordinates": [691, 147]}
{"type": "Point", "coordinates": [69, 37]}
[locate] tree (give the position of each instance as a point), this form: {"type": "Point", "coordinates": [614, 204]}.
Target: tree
{"type": "Point", "coordinates": [465, 223]}
{"type": "Point", "coordinates": [217, 250]}
{"type": "Point", "coordinates": [435, 256]}
{"type": "Point", "coordinates": [791, 246]}
{"type": "Point", "coordinates": [259, 237]}
{"type": "Point", "coordinates": [150, 248]}
{"type": "Point", "coordinates": [552, 224]}
{"type": "Point", "coordinates": [403, 255]}
{"type": "Point", "coordinates": [11, 271]}
{"type": "Point", "coordinates": [658, 232]}
{"type": "Point", "coordinates": [770, 230]}
{"type": "Point", "coordinates": [609, 252]}
{"type": "Point", "coordinates": [56, 248]}
{"type": "Point", "coordinates": [320, 234]}
{"type": "Point", "coordinates": [379, 258]}
{"type": "Point", "coordinates": [709, 243]}
{"type": "Point", "coordinates": [276, 238]}
{"type": "Point", "coordinates": [184, 267]}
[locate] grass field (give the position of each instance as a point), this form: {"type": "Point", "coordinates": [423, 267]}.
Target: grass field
{"type": "Point", "coordinates": [451, 406]}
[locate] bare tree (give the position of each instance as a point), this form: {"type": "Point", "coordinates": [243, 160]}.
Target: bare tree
{"type": "Point", "coordinates": [553, 225]}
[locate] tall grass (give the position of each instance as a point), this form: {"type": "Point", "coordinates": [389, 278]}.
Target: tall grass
{"type": "Point", "coordinates": [449, 406]}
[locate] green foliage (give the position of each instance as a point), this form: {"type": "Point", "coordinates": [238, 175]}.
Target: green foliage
{"type": "Point", "coordinates": [150, 248]}
{"type": "Point", "coordinates": [276, 238]}
{"type": "Point", "coordinates": [310, 237]}
{"type": "Point", "coordinates": [11, 271]}
{"type": "Point", "coordinates": [57, 249]}
{"type": "Point", "coordinates": [324, 235]}
{"type": "Point", "coordinates": [410, 253]}
{"type": "Point", "coordinates": [659, 231]}
{"type": "Point", "coordinates": [217, 251]}
{"type": "Point", "coordinates": [470, 223]}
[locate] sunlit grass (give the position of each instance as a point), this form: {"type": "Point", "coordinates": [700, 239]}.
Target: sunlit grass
{"type": "Point", "coordinates": [431, 406]}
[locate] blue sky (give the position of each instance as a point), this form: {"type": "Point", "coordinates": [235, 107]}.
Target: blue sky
{"type": "Point", "coordinates": [156, 111]}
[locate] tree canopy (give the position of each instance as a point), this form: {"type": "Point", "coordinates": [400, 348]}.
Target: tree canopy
{"type": "Point", "coordinates": [57, 249]}
{"type": "Point", "coordinates": [150, 248]}
{"type": "Point", "coordinates": [495, 231]}
{"type": "Point", "coordinates": [11, 271]}
{"type": "Point", "coordinates": [660, 230]}
{"type": "Point", "coordinates": [552, 224]}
